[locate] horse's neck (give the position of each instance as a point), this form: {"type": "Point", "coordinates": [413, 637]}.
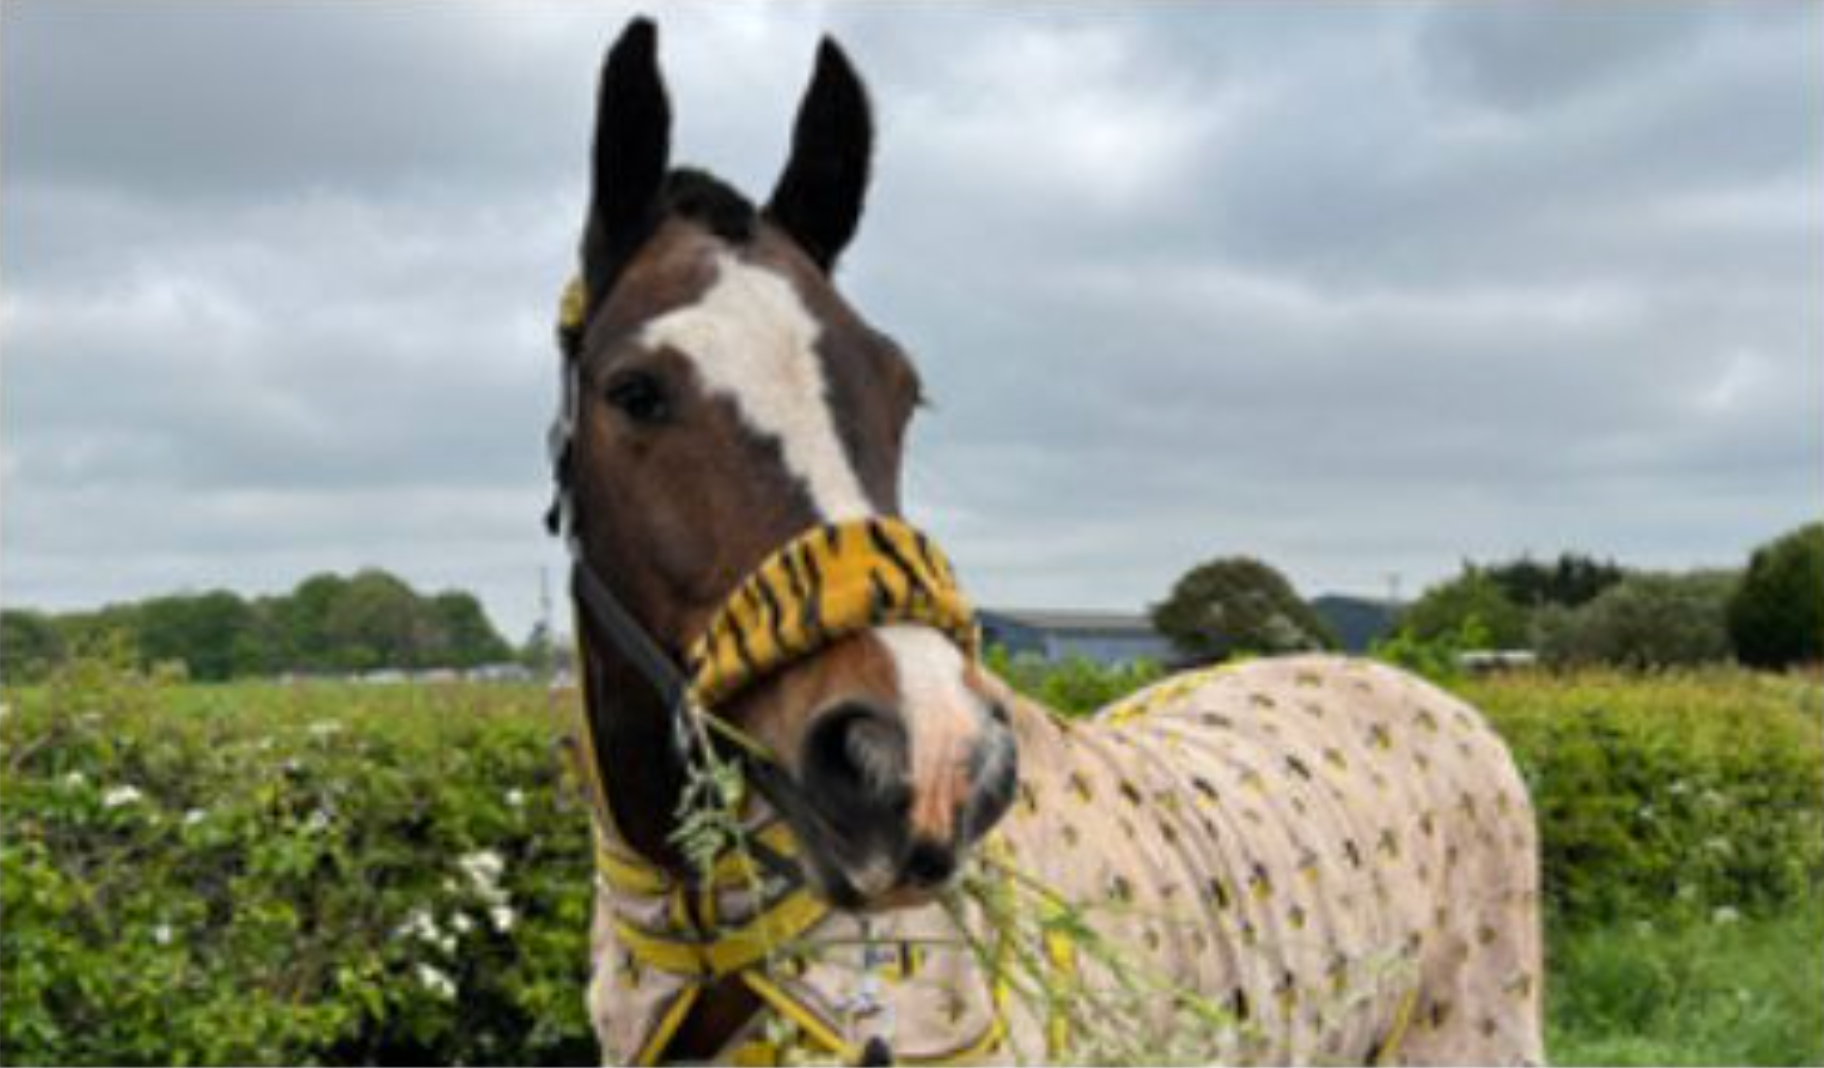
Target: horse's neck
{"type": "Point", "coordinates": [1031, 718]}
{"type": "Point", "coordinates": [637, 765]}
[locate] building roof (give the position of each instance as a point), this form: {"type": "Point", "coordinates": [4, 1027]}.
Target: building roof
{"type": "Point", "coordinates": [1072, 619]}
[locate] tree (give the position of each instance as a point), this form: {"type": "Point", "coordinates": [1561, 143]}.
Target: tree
{"type": "Point", "coordinates": [1470, 606]}
{"type": "Point", "coordinates": [1776, 617]}
{"type": "Point", "coordinates": [301, 622]}
{"type": "Point", "coordinates": [1238, 605]}
{"type": "Point", "coordinates": [210, 633]}
{"type": "Point", "coordinates": [1644, 621]}
{"type": "Point", "coordinates": [466, 638]}
{"type": "Point", "coordinates": [1571, 580]}
{"type": "Point", "coordinates": [375, 622]}
{"type": "Point", "coordinates": [111, 629]}
{"type": "Point", "coordinates": [30, 646]}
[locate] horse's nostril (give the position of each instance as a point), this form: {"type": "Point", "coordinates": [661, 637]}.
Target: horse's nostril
{"type": "Point", "coordinates": [856, 750]}
{"type": "Point", "coordinates": [929, 864]}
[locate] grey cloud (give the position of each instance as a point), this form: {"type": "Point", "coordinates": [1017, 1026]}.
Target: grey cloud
{"type": "Point", "coordinates": [1525, 56]}
{"type": "Point", "coordinates": [1360, 289]}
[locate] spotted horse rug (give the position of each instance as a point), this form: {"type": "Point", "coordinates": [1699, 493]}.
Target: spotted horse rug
{"type": "Point", "coordinates": [1295, 860]}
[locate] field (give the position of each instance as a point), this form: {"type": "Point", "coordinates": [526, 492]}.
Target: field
{"type": "Point", "coordinates": [258, 873]}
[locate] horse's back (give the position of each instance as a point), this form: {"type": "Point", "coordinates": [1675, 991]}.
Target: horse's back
{"type": "Point", "coordinates": [1357, 846]}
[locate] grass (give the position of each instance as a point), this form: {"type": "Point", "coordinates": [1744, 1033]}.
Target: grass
{"type": "Point", "coordinates": [1747, 992]}
{"type": "Point", "coordinates": [1662, 950]}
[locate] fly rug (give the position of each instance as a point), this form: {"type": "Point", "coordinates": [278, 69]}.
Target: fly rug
{"type": "Point", "coordinates": [826, 832]}
{"type": "Point", "coordinates": [1337, 856]}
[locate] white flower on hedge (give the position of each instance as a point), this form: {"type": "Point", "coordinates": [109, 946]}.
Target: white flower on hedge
{"type": "Point", "coordinates": [194, 817]}
{"type": "Point", "coordinates": [317, 823]}
{"type": "Point", "coordinates": [323, 728]}
{"type": "Point", "coordinates": [420, 924]}
{"type": "Point", "coordinates": [461, 924]}
{"type": "Point", "coordinates": [437, 981]}
{"type": "Point", "coordinates": [1725, 916]}
{"type": "Point", "coordinates": [417, 922]}
{"type": "Point", "coordinates": [516, 797]}
{"type": "Point", "coordinates": [502, 917]}
{"type": "Point", "coordinates": [75, 778]}
{"type": "Point", "coordinates": [121, 796]}
{"type": "Point", "coordinates": [483, 867]}
{"type": "Point", "coordinates": [162, 934]}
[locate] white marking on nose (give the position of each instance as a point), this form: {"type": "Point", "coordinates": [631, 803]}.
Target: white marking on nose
{"type": "Point", "coordinates": [930, 668]}
{"type": "Point", "coordinates": [751, 339]}
{"type": "Point", "coordinates": [943, 720]}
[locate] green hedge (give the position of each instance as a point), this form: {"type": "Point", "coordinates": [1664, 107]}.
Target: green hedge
{"type": "Point", "coordinates": [338, 874]}
{"type": "Point", "coordinates": [1687, 792]}
{"type": "Point", "coordinates": [264, 874]}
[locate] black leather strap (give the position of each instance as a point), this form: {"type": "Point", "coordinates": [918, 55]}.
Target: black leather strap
{"type": "Point", "coordinates": [604, 610]}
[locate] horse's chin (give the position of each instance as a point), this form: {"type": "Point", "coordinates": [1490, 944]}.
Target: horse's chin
{"type": "Point", "coordinates": [837, 888]}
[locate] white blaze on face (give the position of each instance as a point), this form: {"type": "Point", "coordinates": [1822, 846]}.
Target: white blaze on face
{"type": "Point", "coordinates": [751, 340]}
{"type": "Point", "coordinates": [943, 719]}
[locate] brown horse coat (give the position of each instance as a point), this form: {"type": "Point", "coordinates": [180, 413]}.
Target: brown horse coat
{"type": "Point", "coordinates": [1341, 856]}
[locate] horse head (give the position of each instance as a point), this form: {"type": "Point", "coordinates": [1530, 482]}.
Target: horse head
{"type": "Point", "coordinates": [727, 404]}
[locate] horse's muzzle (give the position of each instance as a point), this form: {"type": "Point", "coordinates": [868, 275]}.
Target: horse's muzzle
{"type": "Point", "coordinates": [886, 834]}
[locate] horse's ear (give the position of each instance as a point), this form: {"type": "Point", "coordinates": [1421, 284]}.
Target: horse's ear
{"type": "Point", "coordinates": [632, 148]}
{"type": "Point", "coordinates": [819, 197]}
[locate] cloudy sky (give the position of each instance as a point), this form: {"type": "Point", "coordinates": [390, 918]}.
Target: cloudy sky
{"type": "Point", "coordinates": [1358, 289]}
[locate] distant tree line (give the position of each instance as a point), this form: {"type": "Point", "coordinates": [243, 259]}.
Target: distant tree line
{"type": "Point", "coordinates": [1574, 610]}
{"type": "Point", "coordinates": [329, 623]}
{"type": "Point", "coordinates": [1578, 611]}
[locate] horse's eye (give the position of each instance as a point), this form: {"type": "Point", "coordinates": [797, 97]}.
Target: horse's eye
{"type": "Point", "coordinates": [640, 397]}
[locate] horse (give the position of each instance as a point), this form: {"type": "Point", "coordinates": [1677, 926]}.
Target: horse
{"type": "Point", "coordinates": [824, 829]}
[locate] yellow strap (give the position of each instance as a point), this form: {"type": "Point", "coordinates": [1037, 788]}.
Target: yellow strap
{"type": "Point", "coordinates": [732, 870]}
{"type": "Point", "coordinates": [661, 1036]}
{"type": "Point", "coordinates": [586, 752]}
{"type": "Point", "coordinates": [637, 876]}
{"type": "Point", "coordinates": [629, 875]}
{"type": "Point", "coordinates": [730, 951]}
{"type": "Point", "coordinates": [1402, 1019]}
{"type": "Point", "coordinates": [756, 1054]}
{"type": "Point", "coordinates": [802, 1015]}
{"type": "Point", "coordinates": [705, 962]}
{"type": "Point", "coordinates": [573, 305]}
